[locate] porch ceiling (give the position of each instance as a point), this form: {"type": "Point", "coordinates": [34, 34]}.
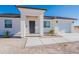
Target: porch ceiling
{"type": "Point", "coordinates": [32, 17]}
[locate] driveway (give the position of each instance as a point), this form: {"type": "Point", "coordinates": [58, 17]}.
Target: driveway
{"type": "Point", "coordinates": [35, 41]}
{"type": "Point", "coordinates": [15, 45]}
{"type": "Point", "coordinates": [71, 36]}
{"type": "Point", "coordinates": [66, 37]}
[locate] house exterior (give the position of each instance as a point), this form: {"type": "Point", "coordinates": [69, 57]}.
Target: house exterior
{"type": "Point", "coordinates": [32, 22]}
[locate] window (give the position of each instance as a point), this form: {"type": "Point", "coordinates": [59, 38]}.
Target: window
{"type": "Point", "coordinates": [8, 23]}
{"type": "Point", "coordinates": [46, 24]}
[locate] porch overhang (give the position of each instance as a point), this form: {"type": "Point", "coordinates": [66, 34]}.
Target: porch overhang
{"type": "Point", "coordinates": [31, 11]}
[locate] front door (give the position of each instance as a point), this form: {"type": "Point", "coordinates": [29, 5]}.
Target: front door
{"type": "Point", "coordinates": [32, 26]}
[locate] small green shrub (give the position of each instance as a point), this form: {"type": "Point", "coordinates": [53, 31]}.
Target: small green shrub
{"type": "Point", "coordinates": [51, 32]}
{"type": "Point", "coordinates": [6, 34]}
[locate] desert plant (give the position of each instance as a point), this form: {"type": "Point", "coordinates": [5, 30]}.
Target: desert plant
{"type": "Point", "coordinates": [51, 32]}
{"type": "Point", "coordinates": [6, 34]}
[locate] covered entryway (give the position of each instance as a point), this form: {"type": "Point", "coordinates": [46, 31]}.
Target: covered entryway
{"type": "Point", "coordinates": [31, 21]}
{"type": "Point", "coordinates": [33, 26]}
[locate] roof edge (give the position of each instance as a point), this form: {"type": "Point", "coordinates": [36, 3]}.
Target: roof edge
{"type": "Point", "coordinates": [30, 7]}
{"type": "Point", "coordinates": [10, 15]}
{"type": "Point", "coordinates": [59, 17]}
{"type": "Point", "coordinates": [46, 17]}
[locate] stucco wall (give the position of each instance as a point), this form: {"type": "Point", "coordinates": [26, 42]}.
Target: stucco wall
{"type": "Point", "coordinates": [46, 30]}
{"type": "Point", "coordinates": [15, 25]}
{"type": "Point", "coordinates": [64, 25]}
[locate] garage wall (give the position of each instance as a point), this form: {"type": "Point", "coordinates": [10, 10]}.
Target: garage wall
{"type": "Point", "coordinates": [15, 26]}
{"type": "Point", "coordinates": [64, 26]}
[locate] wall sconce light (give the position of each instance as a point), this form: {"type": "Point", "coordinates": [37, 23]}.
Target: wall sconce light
{"type": "Point", "coordinates": [73, 22]}
{"type": "Point", "coordinates": [56, 21]}
{"type": "Point", "coordinates": [26, 25]}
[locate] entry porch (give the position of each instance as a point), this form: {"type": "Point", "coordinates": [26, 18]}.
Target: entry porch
{"type": "Point", "coordinates": [31, 22]}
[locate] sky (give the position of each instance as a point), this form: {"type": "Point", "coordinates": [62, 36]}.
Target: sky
{"type": "Point", "coordinates": [71, 11]}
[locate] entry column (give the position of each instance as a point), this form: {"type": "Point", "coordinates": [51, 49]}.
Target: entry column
{"type": "Point", "coordinates": [23, 26]}
{"type": "Point", "coordinates": [41, 17]}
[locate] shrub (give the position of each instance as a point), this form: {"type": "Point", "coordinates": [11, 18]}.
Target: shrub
{"type": "Point", "coordinates": [6, 34]}
{"type": "Point", "coordinates": [51, 32]}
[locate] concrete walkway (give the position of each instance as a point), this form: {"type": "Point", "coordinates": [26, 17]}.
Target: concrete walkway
{"type": "Point", "coordinates": [35, 41]}
{"type": "Point", "coordinates": [68, 37]}
{"type": "Point", "coordinates": [71, 36]}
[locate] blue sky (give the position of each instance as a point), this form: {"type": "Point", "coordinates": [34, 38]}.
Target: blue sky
{"type": "Point", "coordinates": [52, 10]}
